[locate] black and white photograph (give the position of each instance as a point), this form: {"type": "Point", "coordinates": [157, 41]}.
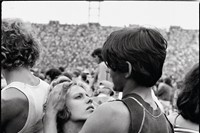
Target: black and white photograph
{"type": "Point", "coordinates": [100, 66]}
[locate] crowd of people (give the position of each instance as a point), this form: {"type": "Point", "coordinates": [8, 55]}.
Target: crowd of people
{"type": "Point", "coordinates": [70, 46]}
{"type": "Point", "coordinates": [75, 42]}
{"type": "Point", "coordinates": [89, 78]}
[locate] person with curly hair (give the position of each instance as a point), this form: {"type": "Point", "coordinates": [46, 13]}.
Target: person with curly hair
{"type": "Point", "coordinates": [23, 97]}
{"type": "Point", "coordinates": [187, 117]}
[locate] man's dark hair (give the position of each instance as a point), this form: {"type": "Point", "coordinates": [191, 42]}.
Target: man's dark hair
{"type": "Point", "coordinates": [144, 48]}
{"type": "Point", "coordinates": [62, 69]}
{"type": "Point", "coordinates": [53, 73]}
{"type": "Point", "coordinates": [188, 98]}
{"type": "Point", "coordinates": [97, 52]}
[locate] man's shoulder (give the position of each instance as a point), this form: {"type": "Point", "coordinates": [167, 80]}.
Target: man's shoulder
{"type": "Point", "coordinates": [108, 118]}
{"type": "Point", "coordinates": [13, 104]}
{"type": "Point", "coordinates": [113, 109]}
{"type": "Point", "coordinates": [13, 93]}
{"type": "Point", "coordinates": [13, 98]}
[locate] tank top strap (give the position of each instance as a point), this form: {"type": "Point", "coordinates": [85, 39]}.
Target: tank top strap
{"type": "Point", "coordinates": [137, 111]}
{"type": "Point", "coordinates": [20, 87]}
{"type": "Point", "coordinates": [170, 125]}
{"type": "Point", "coordinates": [17, 85]}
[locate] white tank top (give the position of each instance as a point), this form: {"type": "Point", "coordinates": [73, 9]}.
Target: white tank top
{"type": "Point", "coordinates": [37, 96]}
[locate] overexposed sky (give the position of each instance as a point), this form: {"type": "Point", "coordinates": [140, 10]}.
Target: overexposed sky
{"type": "Point", "coordinates": [160, 14]}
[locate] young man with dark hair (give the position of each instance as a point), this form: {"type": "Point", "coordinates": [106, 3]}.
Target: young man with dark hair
{"type": "Point", "coordinates": [52, 74]}
{"type": "Point", "coordinates": [135, 57]}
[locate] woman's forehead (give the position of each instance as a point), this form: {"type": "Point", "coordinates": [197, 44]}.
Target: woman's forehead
{"type": "Point", "coordinates": [76, 89]}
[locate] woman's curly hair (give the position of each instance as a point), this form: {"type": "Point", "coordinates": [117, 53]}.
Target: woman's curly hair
{"type": "Point", "coordinates": [19, 47]}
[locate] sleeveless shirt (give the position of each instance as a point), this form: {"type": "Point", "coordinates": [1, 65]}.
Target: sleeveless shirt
{"type": "Point", "coordinates": [143, 118]}
{"type": "Point", "coordinates": [37, 96]}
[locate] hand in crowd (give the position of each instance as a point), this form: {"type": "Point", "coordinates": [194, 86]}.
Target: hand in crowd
{"type": "Point", "coordinates": [56, 98]}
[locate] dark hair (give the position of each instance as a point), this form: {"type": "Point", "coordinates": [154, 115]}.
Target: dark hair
{"type": "Point", "coordinates": [53, 73]}
{"type": "Point", "coordinates": [67, 74]}
{"type": "Point", "coordinates": [188, 98]}
{"type": "Point", "coordinates": [19, 47]}
{"type": "Point", "coordinates": [97, 52]}
{"type": "Point", "coordinates": [62, 69]}
{"type": "Point", "coordinates": [168, 81]}
{"type": "Point", "coordinates": [144, 48]}
{"type": "Point", "coordinates": [84, 76]}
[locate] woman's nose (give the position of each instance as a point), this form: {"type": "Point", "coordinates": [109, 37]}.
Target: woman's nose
{"type": "Point", "coordinates": [89, 100]}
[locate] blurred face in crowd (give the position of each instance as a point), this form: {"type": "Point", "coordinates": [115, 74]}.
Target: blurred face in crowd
{"type": "Point", "coordinates": [79, 103]}
{"type": "Point", "coordinates": [48, 79]}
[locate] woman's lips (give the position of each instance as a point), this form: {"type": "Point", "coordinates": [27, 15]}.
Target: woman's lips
{"type": "Point", "coordinates": [89, 107]}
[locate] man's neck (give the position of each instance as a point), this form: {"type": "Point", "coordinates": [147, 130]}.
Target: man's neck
{"type": "Point", "coordinates": [20, 75]}
{"type": "Point", "coordinates": [73, 127]}
{"type": "Point", "coordinates": [144, 92]}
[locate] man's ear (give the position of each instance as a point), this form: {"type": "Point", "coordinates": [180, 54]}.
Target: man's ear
{"type": "Point", "coordinates": [128, 74]}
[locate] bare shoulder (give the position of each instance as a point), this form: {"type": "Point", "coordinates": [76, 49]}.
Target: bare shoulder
{"type": "Point", "coordinates": [114, 107]}
{"type": "Point", "coordinates": [111, 110]}
{"type": "Point", "coordinates": [13, 103]}
{"type": "Point", "coordinates": [172, 117]}
{"type": "Point", "coordinates": [13, 93]}
{"type": "Point", "coordinates": [108, 118]}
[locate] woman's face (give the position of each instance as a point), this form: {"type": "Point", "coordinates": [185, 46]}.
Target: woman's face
{"type": "Point", "coordinates": [79, 103]}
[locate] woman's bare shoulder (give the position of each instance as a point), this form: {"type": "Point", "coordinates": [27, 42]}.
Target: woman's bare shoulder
{"type": "Point", "coordinates": [172, 117]}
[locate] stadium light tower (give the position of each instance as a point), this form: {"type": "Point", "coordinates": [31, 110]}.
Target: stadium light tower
{"type": "Point", "coordinates": [94, 11]}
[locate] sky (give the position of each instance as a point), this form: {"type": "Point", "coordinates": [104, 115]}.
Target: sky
{"type": "Point", "coordinates": [160, 14]}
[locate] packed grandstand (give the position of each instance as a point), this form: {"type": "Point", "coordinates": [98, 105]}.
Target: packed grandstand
{"type": "Point", "coordinates": [70, 46]}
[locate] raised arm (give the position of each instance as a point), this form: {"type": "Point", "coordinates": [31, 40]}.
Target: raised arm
{"type": "Point", "coordinates": [55, 103]}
